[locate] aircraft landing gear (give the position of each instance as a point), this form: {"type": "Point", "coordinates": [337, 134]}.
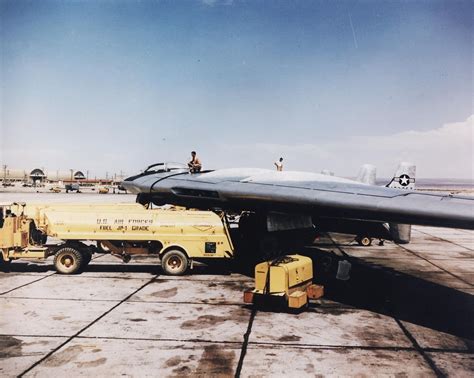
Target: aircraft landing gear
{"type": "Point", "coordinates": [364, 241]}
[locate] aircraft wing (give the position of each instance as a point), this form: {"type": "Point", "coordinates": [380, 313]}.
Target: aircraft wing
{"type": "Point", "coordinates": [302, 193]}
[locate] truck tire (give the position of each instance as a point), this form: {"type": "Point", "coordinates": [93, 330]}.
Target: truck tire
{"type": "Point", "coordinates": [174, 263]}
{"type": "Point", "coordinates": [68, 260]}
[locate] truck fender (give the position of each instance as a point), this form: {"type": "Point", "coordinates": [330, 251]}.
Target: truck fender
{"type": "Point", "coordinates": [171, 247]}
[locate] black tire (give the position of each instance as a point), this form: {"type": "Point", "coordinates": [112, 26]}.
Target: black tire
{"type": "Point", "coordinates": [68, 260]}
{"type": "Point", "coordinates": [175, 263]}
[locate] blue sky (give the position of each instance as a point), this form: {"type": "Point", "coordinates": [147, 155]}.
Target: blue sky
{"type": "Point", "coordinates": [118, 85]}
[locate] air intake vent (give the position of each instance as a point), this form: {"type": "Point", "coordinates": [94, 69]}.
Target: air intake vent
{"type": "Point", "coordinates": [195, 193]}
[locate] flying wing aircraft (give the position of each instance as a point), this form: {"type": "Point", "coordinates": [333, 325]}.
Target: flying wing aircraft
{"type": "Point", "coordinates": [287, 198]}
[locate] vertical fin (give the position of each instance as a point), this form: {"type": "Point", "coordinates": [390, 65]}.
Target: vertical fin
{"type": "Point", "coordinates": [367, 174]}
{"type": "Point", "coordinates": [404, 179]}
{"type": "Point", "coordinates": [327, 172]}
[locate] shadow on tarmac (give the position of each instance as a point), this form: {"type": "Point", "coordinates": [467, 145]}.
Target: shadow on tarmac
{"type": "Point", "coordinates": [371, 287]}
{"type": "Point", "coordinates": [151, 268]}
{"type": "Point", "coordinates": [392, 293]}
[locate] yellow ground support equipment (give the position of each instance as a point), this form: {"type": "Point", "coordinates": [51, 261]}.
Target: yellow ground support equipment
{"type": "Point", "coordinates": [288, 278]}
{"type": "Point", "coordinates": [124, 230]}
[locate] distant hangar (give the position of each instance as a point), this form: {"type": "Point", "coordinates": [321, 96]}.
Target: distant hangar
{"type": "Point", "coordinates": [40, 175]}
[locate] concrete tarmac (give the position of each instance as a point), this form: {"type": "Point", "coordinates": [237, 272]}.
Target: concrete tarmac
{"type": "Point", "coordinates": [406, 309]}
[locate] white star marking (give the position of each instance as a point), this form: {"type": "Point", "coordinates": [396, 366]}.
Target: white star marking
{"type": "Point", "coordinates": [404, 180]}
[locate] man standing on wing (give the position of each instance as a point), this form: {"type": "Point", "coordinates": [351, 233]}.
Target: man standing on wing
{"type": "Point", "coordinates": [279, 165]}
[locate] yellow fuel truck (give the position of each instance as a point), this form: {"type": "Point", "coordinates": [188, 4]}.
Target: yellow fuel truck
{"type": "Point", "coordinates": [177, 237]}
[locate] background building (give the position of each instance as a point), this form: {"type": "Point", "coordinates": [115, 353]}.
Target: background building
{"type": "Point", "coordinates": [42, 176]}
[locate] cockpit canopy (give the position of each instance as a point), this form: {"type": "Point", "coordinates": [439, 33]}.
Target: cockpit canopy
{"type": "Point", "coordinates": [160, 168]}
{"type": "Point", "coordinates": [165, 167]}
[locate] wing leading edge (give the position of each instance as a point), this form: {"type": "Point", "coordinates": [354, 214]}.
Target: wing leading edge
{"type": "Point", "coordinates": [304, 193]}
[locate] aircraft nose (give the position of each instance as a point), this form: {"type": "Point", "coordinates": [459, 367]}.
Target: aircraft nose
{"type": "Point", "coordinates": [130, 186]}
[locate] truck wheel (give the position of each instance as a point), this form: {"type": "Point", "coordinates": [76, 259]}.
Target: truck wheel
{"type": "Point", "coordinates": [68, 260]}
{"type": "Point", "coordinates": [174, 263]}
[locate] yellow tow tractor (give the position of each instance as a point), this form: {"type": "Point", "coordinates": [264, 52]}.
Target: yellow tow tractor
{"type": "Point", "coordinates": [178, 238]}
